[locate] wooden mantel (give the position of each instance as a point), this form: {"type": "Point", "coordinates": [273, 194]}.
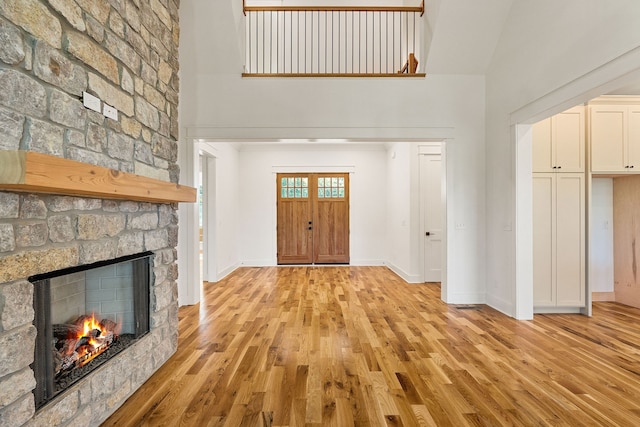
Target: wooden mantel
{"type": "Point", "coordinates": [28, 171]}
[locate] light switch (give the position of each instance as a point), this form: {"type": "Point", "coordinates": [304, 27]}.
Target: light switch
{"type": "Point", "coordinates": [110, 112]}
{"type": "Point", "coordinates": [91, 102]}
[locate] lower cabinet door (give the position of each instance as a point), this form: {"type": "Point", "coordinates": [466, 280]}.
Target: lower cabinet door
{"type": "Point", "coordinates": [570, 247]}
{"type": "Point", "coordinates": [558, 240]}
{"type": "Point", "coordinates": [543, 240]}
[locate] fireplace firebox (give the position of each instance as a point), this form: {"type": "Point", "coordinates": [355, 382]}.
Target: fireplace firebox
{"type": "Point", "coordinates": [86, 315]}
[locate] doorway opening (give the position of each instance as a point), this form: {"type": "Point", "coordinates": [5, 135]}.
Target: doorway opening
{"type": "Point", "coordinates": [313, 218]}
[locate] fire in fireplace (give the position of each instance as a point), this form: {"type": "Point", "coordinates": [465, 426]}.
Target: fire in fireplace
{"type": "Point", "coordinates": [81, 341]}
{"type": "Point", "coordinates": [86, 315]}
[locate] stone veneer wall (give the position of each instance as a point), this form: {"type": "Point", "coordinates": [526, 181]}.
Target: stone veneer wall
{"type": "Point", "coordinates": [126, 53]}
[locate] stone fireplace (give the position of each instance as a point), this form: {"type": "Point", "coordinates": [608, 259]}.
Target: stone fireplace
{"type": "Point", "coordinates": [95, 230]}
{"type": "Point", "coordinates": [125, 53]}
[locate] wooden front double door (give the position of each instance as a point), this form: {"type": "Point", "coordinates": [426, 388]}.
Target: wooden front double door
{"type": "Point", "coordinates": [313, 218]}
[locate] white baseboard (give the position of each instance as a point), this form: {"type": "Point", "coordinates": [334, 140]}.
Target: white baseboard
{"type": "Point", "coordinates": [503, 306]}
{"type": "Point", "coordinates": [227, 271]}
{"type": "Point", "coordinates": [366, 262]}
{"type": "Point", "coordinates": [467, 298]}
{"type": "Point", "coordinates": [557, 310]}
{"type": "Point", "coordinates": [409, 278]}
{"type": "Point", "coordinates": [258, 263]}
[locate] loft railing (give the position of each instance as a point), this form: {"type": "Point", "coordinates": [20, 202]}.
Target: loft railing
{"type": "Point", "coordinates": [333, 41]}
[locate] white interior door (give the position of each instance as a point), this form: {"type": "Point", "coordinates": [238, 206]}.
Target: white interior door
{"type": "Point", "coordinates": [433, 212]}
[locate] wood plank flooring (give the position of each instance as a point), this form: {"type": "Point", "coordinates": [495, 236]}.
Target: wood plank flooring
{"type": "Point", "coordinates": [342, 346]}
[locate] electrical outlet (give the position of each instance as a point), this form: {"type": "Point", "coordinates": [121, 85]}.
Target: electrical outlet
{"type": "Point", "coordinates": [110, 112]}
{"type": "Point", "coordinates": [91, 102]}
{"type": "Point", "coordinates": [460, 226]}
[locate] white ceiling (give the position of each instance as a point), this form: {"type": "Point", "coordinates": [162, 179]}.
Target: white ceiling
{"type": "Point", "coordinates": [464, 34]}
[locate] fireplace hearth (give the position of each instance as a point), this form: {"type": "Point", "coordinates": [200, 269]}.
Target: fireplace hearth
{"type": "Point", "coordinates": [86, 315]}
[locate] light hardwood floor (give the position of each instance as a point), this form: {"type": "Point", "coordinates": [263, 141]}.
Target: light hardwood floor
{"type": "Point", "coordinates": [305, 346]}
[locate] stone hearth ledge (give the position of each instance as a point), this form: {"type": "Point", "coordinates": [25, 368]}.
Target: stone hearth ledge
{"type": "Point", "coordinates": [29, 171]}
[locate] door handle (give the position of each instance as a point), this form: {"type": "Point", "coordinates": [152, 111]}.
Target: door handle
{"type": "Point", "coordinates": [428, 233]}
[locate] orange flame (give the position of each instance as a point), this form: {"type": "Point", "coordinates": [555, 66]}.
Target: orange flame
{"type": "Point", "coordinates": [90, 325]}
{"type": "Point", "coordinates": [97, 344]}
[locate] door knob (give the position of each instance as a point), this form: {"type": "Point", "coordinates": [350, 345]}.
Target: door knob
{"type": "Point", "coordinates": [428, 233]}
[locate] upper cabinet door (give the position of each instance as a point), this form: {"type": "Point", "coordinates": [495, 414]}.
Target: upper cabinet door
{"type": "Point", "coordinates": [558, 142]}
{"type": "Point", "coordinates": [633, 140]}
{"type": "Point", "coordinates": [568, 140]}
{"type": "Point", "coordinates": [542, 148]}
{"type": "Point", "coordinates": [608, 138]}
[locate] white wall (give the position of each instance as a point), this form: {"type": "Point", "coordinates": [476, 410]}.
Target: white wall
{"type": "Point", "coordinates": [551, 55]}
{"type": "Point", "coordinates": [217, 103]}
{"type": "Point", "coordinates": [188, 240]}
{"type": "Point", "coordinates": [228, 191]}
{"type": "Point", "coordinates": [398, 207]}
{"type": "Point", "coordinates": [601, 236]}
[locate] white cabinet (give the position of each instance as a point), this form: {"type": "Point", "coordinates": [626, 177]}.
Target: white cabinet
{"type": "Point", "coordinates": [633, 142]}
{"type": "Point", "coordinates": [559, 142]}
{"type": "Point", "coordinates": [558, 240]}
{"type": "Point", "coordinates": [615, 138]}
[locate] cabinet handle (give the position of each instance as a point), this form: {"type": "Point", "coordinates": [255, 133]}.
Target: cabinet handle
{"type": "Point", "coordinates": [555, 167]}
{"type": "Point", "coordinates": [559, 167]}
{"type": "Point", "coordinates": [631, 166]}
{"type": "Point", "coordinates": [626, 167]}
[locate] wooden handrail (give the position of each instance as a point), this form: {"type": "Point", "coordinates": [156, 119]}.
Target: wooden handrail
{"type": "Point", "coordinates": [315, 75]}
{"type": "Point", "coordinates": [333, 8]}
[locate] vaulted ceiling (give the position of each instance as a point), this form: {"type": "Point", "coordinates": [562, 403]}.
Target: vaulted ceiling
{"type": "Point", "coordinates": [464, 34]}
